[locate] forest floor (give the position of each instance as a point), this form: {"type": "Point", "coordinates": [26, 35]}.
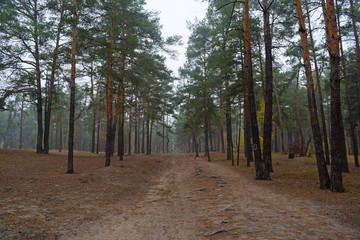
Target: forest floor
{"type": "Point", "coordinates": [170, 197]}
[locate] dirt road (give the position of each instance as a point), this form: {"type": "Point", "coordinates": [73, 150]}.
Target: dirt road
{"type": "Point", "coordinates": [194, 199]}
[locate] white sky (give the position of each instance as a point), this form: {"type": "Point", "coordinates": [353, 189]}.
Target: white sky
{"type": "Point", "coordinates": [173, 15]}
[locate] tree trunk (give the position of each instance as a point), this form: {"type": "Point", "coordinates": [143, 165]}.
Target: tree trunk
{"type": "Point", "coordinates": [21, 122]}
{"type": "Point", "coordinates": [229, 142]}
{"type": "Point", "coordinates": [299, 134]}
{"type": "Point", "coordinates": [94, 109]}
{"type": "Point", "coordinates": [130, 119]}
{"type": "Point", "coordinates": [356, 40]}
{"type": "Point", "coordinates": [238, 143]}
{"type": "Point", "coordinates": [39, 146]}
{"type": "Point", "coordinates": [261, 65]}
{"type": "Point", "coordinates": [206, 129]}
{"type": "Point", "coordinates": [143, 134]}
{"type": "Point", "coordinates": [352, 134]}
{"type": "Point", "coordinates": [109, 92]}
{"type": "Point", "coordinates": [337, 132]}
{"type": "Point", "coordinates": [72, 91]}
{"type": "Point", "coordinates": [268, 88]}
{"type": "Point", "coordinates": [136, 127]}
{"type": "Point", "coordinates": [322, 170]}
{"type": "Point", "coordinates": [280, 119]}
{"type": "Point", "coordinates": [221, 122]}
{"type": "Point", "coordinates": [98, 134]}
{"type": "Point", "coordinates": [262, 172]}
{"type": "Point", "coordinates": [147, 131]}
{"type": "Point", "coordinates": [48, 105]}
{"type": "Point", "coordinates": [317, 74]}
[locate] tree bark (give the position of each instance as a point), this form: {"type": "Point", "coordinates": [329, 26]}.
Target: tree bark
{"type": "Point", "coordinates": [221, 122]}
{"type": "Point", "coordinates": [337, 132]}
{"type": "Point", "coordinates": [94, 109]}
{"type": "Point", "coordinates": [21, 122]}
{"type": "Point", "coordinates": [317, 74]}
{"type": "Point", "coordinates": [39, 139]}
{"type": "Point", "coordinates": [268, 87]}
{"type": "Point", "coordinates": [136, 126]}
{"type": "Point", "coordinates": [130, 119]}
{"type": "Point", "coordinates": [280, 119]}
{"type": "Point", "coordinates": [299, 134]}
{"type": "Point", "coordinates": [72, 91]}
{"type": "Point", "coordinates": [356, 40]}
{"type": "Point", "coordinates": [322, 170]}
{"type": "Point", "coordinates": [48, 105]}
{"type": "Point", "coordinates": [109, 91]}
{"type": "Point", "coordinates": [353, 137]}
{"type": "Point", "coordinates": [262, 172]}
{"type": "Point", "coordinates": [206, 129]}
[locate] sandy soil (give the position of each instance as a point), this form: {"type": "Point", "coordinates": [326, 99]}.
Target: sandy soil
{"type": "Point", "coordinates": [168, 197]}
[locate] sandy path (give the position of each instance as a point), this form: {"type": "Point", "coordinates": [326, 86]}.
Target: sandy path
{"type": "Point", "coordinates": [195, 199]}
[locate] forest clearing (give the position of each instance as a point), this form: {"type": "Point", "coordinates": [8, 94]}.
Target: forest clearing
{"type": "Point", "coordinates": [165, 196]}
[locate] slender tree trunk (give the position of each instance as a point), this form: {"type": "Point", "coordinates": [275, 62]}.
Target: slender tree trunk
{"type": "Point", "coordinates": [61, 134]}
{"type": "Point", "coordinates": [167, 134]}
{"type": "Point", "coordinates": [39, 146]}
{"type": "Point", "coordinates": [352, 134]}
{"type": "Point", "coordinates": [48, 105]}
{"type": "Point", "coordinates": [268, 87]}
{"type": "Point", "coordinates": [323, 174]}
{"type": "Point", "coordinates": [238, 143]}
{"type": "Point", "coordinates": [321, 105]}
{"type": "Point", "coordinates": [229, 142]}
{"type": "Point", "coordinates": [147, 130]}
{"type": "Point", "coordinates": [130, 119]}
{"type": "Point", "coordinates": [93, 103]}
{"type": "Point", "coordinates": [206, 129]}
{"type": "Point", "coordinates": [356, 40]}
{"type": "Point", "coordinates": [210, 137]}
{"type": "Point", "coordinates": [247, 131]}
{"type": "Point", "coordinates": [221, 122]}
{"type": "Point", "coordinates": [150, 141]}
{"type": "Point", "coordinates": [262, 171]}
{"type": "Point", "coordinates": [72, 91]}
{"type": "Point", "coordinates": [280, 119]}
{"type": "Point", "coordinates": [21, 122]}
{"type": "Point", "coordinates": [337, 132]}
{"type": "Point", "coordinates": [143, 134]}
{"type": "Point", "coordinates": [136, 127]}
{"type": "Point", "coordinates": [109, 92]}
{"type": "Point", "coordinates": [299, 134]}
{"type": "Point", "coordinates": [261, 66]}
{"type": "Point", "coordinates": [98, 134]}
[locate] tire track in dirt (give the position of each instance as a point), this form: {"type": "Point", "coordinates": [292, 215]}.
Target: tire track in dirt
{"type": "Point", "coordinates": [195, 199]}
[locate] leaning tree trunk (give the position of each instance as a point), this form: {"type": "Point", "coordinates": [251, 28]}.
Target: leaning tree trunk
{"type": "Point", "coordinates": [262, 172]}
{"type": "Point", "coordinates": [72, 92]}
{"type": "Point", "coordinates": [337, 132]}
{"type": "Point", "coordinates": [317, 74]}
{"type": "Point", "coordinates": [321, 164]}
